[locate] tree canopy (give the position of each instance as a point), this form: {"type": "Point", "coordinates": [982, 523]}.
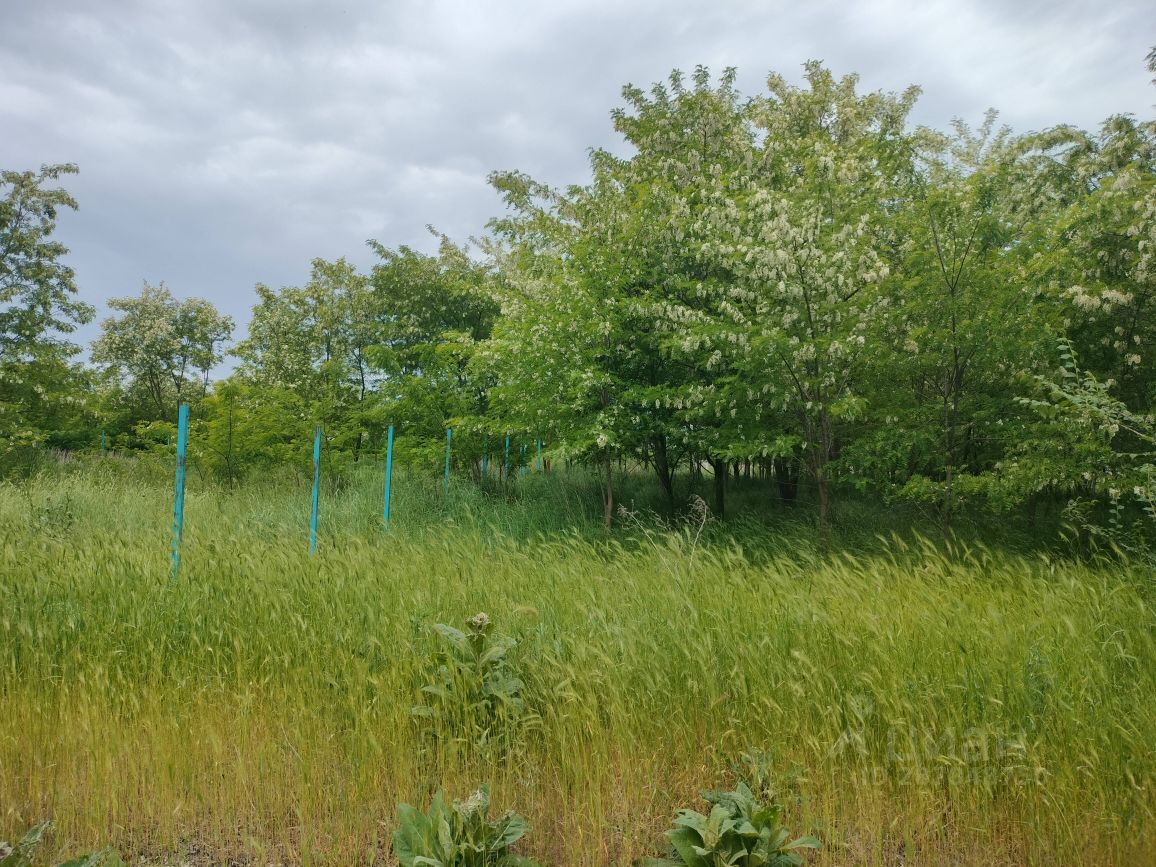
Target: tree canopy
{"type": "Point", "coordinates": [797, 283]}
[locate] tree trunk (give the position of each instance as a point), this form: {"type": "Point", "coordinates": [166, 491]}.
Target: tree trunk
{"type": "Point", "coordinates": [821, 458]}
{"type": "Point", "coordinates": [720, 485]}
{"type": "Point", "coordinates": [608, 498]}
{"type": "Point", "coordinates": [662, 470]}
{"type": "Point", "coordinates": [823, 505]}
{"type": "Point", "coordinates": [787, 480]}
{"type": "Point", "coordinates": [948, 446]}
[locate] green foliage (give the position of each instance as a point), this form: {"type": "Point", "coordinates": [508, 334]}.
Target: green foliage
{"type": "Point", "coordinates": [740, 831]}
{"type": "Point", "coordinates": [21, 854]}
{"type": "Point", "coordinates": [271, 691]}
{"type": "Point", "coordinates": [459, 835]}
{"type": "Point", "coordinates": [159, 351]}
{"type": "Point", "coordinates": [1089, 446]}
{"type": "Point", "coordinates": [42, 394]}
{"type": "Point", "coordinates": [36, 287]}
{"type": "Point", "coordinates": [795, 280]}
{"type": "Point", "coordinates": [476, 692]}
{"type": "Point", "coordinates": [241, 428]}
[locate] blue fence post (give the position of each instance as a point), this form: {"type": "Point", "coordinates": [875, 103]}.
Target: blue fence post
{"type": "Point", "coordinates": [449, 445]}
{"type": "Point", "coordinates": [179, 489]}
{"type": "Point", "coordinates": [486, 457]}
{"type": "Point", "coordinates": [539, 455]}
{"type": "Point", "coordinates": [316, 490]}
{"type": "Point", "coordinates": [388, 474]}
{"type": "Point", "coordinates": [506, 461]}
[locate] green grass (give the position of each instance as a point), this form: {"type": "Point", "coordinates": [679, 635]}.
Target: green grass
{"type": "Point", "coordinates": [916, 704]}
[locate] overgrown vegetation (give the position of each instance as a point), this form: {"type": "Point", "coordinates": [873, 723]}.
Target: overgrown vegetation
{"type": "Point", "coordinates": [475, 698]}
{"type": "Point", "coordinates": [971, 702]}
{"type": "Point", "coordinates": [459, 835]}
{"type": "Point", "coordinates": [849, 335]}
{"type": "Point", "coordinates": [794, 284]}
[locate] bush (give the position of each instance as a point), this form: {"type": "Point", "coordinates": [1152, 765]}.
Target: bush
{"type": "Point", "coordinates": [741, 831]}
{"type": "Point", "coordinates": [458, 836]}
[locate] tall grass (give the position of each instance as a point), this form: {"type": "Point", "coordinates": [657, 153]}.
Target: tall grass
{"type": "Point", "coordinates": [915, 704]}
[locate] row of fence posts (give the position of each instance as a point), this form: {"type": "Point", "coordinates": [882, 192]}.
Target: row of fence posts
{"type": "Point", "coordinates": [315, 507]}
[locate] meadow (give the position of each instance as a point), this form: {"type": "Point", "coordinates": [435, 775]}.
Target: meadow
{"type": "Point", "coordinates": [909, 701]}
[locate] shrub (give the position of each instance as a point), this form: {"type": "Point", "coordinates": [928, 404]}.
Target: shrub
{"type": "Point", "coordinates": [458, 836]}
{"type": "Point", "coordinates": [476, 691]}
{"type": "Point", "coordinates": [741, 831]}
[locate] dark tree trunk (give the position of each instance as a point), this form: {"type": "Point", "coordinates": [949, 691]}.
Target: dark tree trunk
{"type": "Point", "coordinates": [823, 506]}
{"type": "Point", "coordinates": [787, 480]}
{"type": "Point", "coordinates": [720, 486]}
{"type": "Point", "coordinates": [662, 470]}
{"type": "Point", "coordinates": [608, 498]}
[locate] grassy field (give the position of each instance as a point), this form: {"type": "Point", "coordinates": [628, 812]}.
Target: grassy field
{"type": "Point", "coordinates": [912, 704]}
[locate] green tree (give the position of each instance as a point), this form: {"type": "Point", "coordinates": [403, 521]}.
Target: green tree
{"type": "Point", "coordinates": [311, 343]}
{"type": "Point", "coordinates": [802, 231]}
{"type": "Point", "coordinates": [692, 141]}
{"type": "Point", "coordinates": [570, 355]}
{"type": "Point", "coordinates": [1092, 252]}
{"type": "Point", "coordinates": [160, 350]}
{"type": "Point", "coordinates": [42, 394]}
{"type": "Point", "coordinates": [958, 327]}
{"type": "Point", "coordinates": [1088, 446]}
{"type": "Point", "coordinates": [241, 427]}
{"type": "Point", "coordinates": [432, 313]}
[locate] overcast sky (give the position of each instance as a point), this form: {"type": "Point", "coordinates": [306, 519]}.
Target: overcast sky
{"type": "Point", "coordinates": [223, 143]}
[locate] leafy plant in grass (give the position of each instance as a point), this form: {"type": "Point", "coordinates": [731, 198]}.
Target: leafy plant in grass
{"type": "Point", "coordinates": [21, 854]}
{"type": "Point", "coordinates": [458, 835]}
{"type": "Point", "coordinates": [740, 831]}
{"type": "Point", "coordinates": [476, 691]}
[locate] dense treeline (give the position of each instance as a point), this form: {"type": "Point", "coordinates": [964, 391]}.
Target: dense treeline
{"type": "Point", "coordinates": [796, 284]}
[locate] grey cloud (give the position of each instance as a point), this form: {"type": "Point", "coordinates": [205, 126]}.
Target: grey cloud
{"type": "Point", "coordinates": [227, 142]}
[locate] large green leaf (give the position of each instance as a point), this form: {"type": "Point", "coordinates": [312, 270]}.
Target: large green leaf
{"type": "Point", "coordinates": [509, 829]}
{"type": "Point", "coordinates": [805, 843]}
{"type": "Point", "coordinates": [21, 854]}
{"type": "Point", "coordinates": [686, 842]}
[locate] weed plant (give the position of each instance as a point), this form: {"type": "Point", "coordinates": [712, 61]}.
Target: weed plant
{"type": "Point", "coordinates": [908, 701]}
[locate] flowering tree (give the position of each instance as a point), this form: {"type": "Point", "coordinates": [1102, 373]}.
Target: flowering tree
{"type": "Point", "coordinates": [801, 233]}
{"type": "Point", "coordinates": [1094, 254]}
{"type": "Point", "coordinates": [161, 350]}
{"type": "Point", "coordinates": [556, 350]}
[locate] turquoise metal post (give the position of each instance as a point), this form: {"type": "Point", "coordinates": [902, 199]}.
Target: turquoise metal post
{"type": "Point", "coordinates": [388, 473]}
{"type": "Point", "coordinates": [539, 456]}
{"type": "Point", "coordinates": [486, 457]}
{"type": "Point", "coordinates": [179, 489]}
{"type": "Point", "coordinates": [316, 490]}
{"type": "Point", "coordinates": [506, 461]}
{"type": "Point", "coordinates": [449, 443]}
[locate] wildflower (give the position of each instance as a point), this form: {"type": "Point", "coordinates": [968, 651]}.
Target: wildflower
{"type": "Point", "coordinates": [478, 801]}
{"type": "Point", "coordinates": [479, 621]}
